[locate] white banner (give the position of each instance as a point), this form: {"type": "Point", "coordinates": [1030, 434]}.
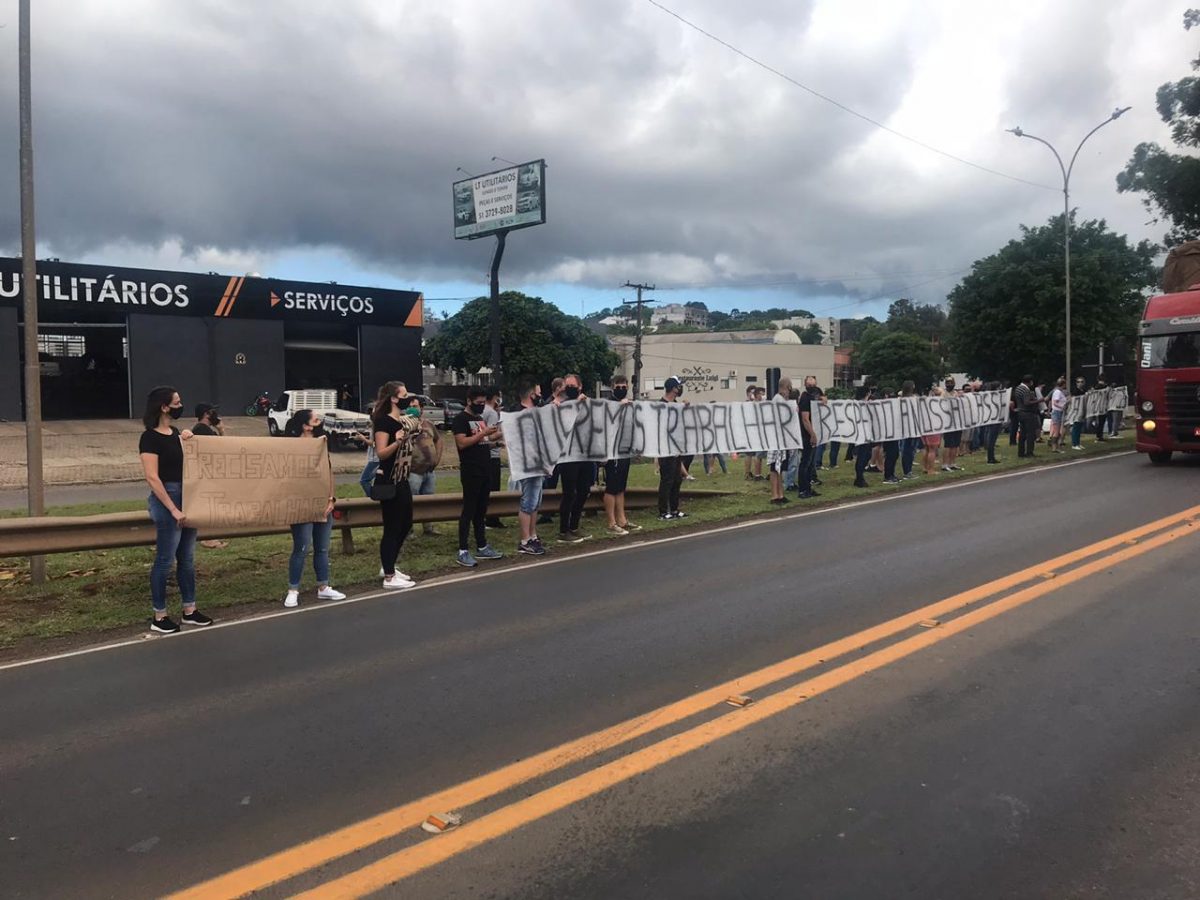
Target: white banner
{"type": "Point", "coordinates": [599, 430]}
{"type": "Point", "coordinates": [1096, 403]}
{"type": "Point", "coordinates": [874, 421]}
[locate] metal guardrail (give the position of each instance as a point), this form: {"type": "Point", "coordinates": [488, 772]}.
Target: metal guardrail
{"type": "Point", "coordinates": [67, 534]}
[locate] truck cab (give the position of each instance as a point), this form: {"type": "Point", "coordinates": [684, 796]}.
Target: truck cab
{"type": "Point", "coordinates": [345, 429]}
{"type": "Point", "coordinates": [1167, 402]}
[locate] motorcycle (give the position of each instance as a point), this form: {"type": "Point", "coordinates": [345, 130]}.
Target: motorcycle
{"type": "Point", "coordinates": [261, 405]}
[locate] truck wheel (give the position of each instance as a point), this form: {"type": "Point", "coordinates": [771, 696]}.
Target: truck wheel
{"type": "Point", "coordinates": [1160, 457]}
{"type": "Point", "coordinates": [272, 428]}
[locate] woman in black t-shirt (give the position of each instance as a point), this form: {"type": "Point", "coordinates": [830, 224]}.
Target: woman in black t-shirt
{"type": "Point", "coordinates": [162, 461]}
{"type": "Point", "coordinates": [393, 434]}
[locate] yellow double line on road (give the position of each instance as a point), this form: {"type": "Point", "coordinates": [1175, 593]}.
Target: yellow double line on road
{"type": "Point", "coordinates": [406, 862]}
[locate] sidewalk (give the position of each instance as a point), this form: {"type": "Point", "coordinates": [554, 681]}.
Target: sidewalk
{"type": "Point", "coordinates": [102, 451]}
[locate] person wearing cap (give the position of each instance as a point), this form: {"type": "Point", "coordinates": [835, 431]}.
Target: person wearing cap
{"type": "Point", "coordinates": [208, 421]}
{"type": "Point", "coordinates": [670, 468]}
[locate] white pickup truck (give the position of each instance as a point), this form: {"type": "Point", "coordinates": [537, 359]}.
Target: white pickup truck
{"type": "Point", "coordinates": [346, 430]}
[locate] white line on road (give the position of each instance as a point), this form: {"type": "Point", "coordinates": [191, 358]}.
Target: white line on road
{"type": "Point", "coordinates": [541, 563]}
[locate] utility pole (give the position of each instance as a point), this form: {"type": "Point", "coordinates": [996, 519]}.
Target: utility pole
{"type": "Point", "coordinates": [33, 369]}
{"type": "Point", "coordinates": [494, 309]}
{"type": "Point", "coordinates": [637, 341]}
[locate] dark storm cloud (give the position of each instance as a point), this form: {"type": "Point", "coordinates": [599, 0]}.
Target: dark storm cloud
{"type": "Point", "coordinates": [253, 127]}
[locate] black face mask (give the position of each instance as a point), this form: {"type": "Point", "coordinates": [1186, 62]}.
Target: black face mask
{"type": "Point", "coordinates": [214, 421]}
{"type": "Point", "coordinates": [477, 408]}
{"type": "Point", "coordinates": [175, 411]}
{"type": "Point", "coordinates": [571, 393]}
{"type": "Point", "coordinates": [319, 431]}
{"type": "Point", "coordinates": [620, 393]}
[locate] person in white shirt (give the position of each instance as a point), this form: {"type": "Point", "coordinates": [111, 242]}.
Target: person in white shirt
{"type": "Point", "coordinates": [1058, 409]}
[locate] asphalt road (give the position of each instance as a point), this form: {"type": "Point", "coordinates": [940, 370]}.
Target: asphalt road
{"type": "Point", "coordinates": [1049, 751]}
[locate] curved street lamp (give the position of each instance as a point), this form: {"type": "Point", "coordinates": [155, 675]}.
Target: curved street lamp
{"type": "Point", "coordinates": [1066, 174]}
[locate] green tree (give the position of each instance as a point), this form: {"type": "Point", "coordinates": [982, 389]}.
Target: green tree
{"type": "Point", "coordinates": [853, 329]}
{"type": "Point", "coordinates": [1171, 181]}
{"type": "Point", "coordinates": [810, 333]}
{"type": "Point", "coordinates": [889, 358]}
{"type": "Point", "coordinates": [922, 319]}
{"type": "Point", "coordinates": [538, 342]}
{"type": "Point", "coordinates": [1007, 315]}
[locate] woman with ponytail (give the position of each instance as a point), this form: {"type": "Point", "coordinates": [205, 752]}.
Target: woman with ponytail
{"type": "Point", "coordinates": [162, 462]}
{"type": "Point", "coordinates": [393, 432]}
{"type": "Point", "coordinates": [307, 424]}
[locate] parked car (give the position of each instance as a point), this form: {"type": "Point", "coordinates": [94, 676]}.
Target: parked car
{"type": "Point", "coordinates": [347, 430]}
{"type": "Point", "coordinates": [450, 409]}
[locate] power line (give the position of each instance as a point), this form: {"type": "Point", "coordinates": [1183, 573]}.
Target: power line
{"type": "Point", "coordinates": [843, 107]}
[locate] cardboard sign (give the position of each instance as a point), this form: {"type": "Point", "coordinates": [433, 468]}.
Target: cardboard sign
{"type": "Point", "coordinates": [236, 481]}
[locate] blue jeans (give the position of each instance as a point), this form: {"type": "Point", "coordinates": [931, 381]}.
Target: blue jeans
{"type": "Point", "coordinates": [171, 544]}
{"type": "Point", "coordinates": [422, 484]}
{"type": "Point", "coordinates": [368, 476]}
{"type": "Point", "coordinates": [793, 470]}
{"type": "Point", "coordinates": [908, 451]}
{"type": "Point", "coordinates": [531, 493]}
{"type": "Point", "coordinates": [316, 535]}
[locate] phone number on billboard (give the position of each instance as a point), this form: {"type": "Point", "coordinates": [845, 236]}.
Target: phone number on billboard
{"type": "Point", "coordinates": [492, 211]}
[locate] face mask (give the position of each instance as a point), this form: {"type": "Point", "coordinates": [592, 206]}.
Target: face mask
{"type": "Point", "coordinates": [412, 411]}
{"type": "Point", "coordinates": [477, 408]}
{"type": "Point", "coordinates": [319, 431]}
{"type": "Point", "coordinates": [620, 393]}
{"type": "Point", "coordinates": [175, 411]}
{"type": "Point", "coordinates": [571, 392]}
{"type": "Point", "coordinates": [679, 393]}
{"type": "Point", "coordinates": [214, 420]}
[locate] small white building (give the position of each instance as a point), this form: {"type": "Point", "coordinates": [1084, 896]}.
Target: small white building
{"type": "Point", "coordinates": [721, 365]}
{"type": "Point", "coordinates": [678, 314]}
{"type": "Point", "coordinates": [831, 328]}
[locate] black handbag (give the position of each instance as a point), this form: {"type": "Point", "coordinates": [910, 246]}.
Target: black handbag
{"type": "Point", "coordinates": [383, 490]}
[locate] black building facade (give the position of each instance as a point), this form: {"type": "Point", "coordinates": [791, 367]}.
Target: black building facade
{"type": "Point", "coordinates": [107, 336]}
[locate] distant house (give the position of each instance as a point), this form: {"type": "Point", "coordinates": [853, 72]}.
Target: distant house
{"type": "Point", "coordinates": [721, 365]}
{"type": "Point", "coordinates": [678, 314]}
{"type": "Point", "coordinates": [831, 328]}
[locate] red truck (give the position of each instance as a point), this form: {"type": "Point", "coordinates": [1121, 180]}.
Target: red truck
{"type": "Point", "coordinates": [1167, 401]}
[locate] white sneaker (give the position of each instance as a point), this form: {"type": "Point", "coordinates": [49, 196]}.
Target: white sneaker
{"type": "Point", "coordinates": [292, 599]}
{"type": "Point", "coordinates": [328, 593]}
{"type": "Point", "coordinates": [397, 581]}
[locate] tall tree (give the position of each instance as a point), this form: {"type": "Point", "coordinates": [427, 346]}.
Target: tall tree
{"type": "Point", "coordinates": [853, 329]}
{"type": "Point", "coordinates": [810, 333]}
{"type": "Point", "coordinates": [538, 342]}
{"type": "Point", "coordinates": [889, 358]}
{"type": "Point", "coordinates": [1007, 315]}
{"type": "Point", "coordinates": [922, 319]}
{"type": "Point", "coordinates": [1171, 181]}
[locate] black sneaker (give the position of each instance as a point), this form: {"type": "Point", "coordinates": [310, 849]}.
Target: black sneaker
{"type": "Point", "coordinates": [165, 625]}
{"type": "Point", "coordinates": [679, 514]}
{"type": "Point", "coordinates": [529, 548]}
{"type": "Point", "coordinates": [565, 537]}
{"type": "Point", "coordinates": [664, 516]}
{"type": "Point", "coordinates": [779, 501]}
{"type": "Point", "coordinates": [873, 468]}
{"type": "Point", "coordinates": [579, 535]}
{"type": "Point", "coordinates": [861, 484]}
{"type": "Point", "coordinates": [195, 617]}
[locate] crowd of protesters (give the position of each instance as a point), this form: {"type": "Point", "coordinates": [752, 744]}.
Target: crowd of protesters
{"type": "Point", "coordinates": [393, 475]}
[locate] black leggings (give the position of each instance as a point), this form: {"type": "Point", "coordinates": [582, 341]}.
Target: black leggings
{"type": "Point", "coordinates": [476, 491]}
{"type": "Point", "coordinates": [397, 523]}
{"type": "Point", "coordinates": [576, 478]}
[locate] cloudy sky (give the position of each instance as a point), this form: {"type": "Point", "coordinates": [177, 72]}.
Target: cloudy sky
{"type": "Point", "coordinates": [319, 140]}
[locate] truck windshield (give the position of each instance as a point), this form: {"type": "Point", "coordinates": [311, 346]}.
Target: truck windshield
{"type": "Point", "coordinates": [1171, 351]}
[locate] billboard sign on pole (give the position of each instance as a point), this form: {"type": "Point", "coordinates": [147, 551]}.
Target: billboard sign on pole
{"type": "Point", "coordinates": [500, 201]}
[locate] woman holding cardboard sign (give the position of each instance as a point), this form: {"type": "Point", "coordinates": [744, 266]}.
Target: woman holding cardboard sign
{"type": "Point", "coordinates": [393, 433]}
{"type": "Point", "coordinates": [161, 453]}
{"type": "Point", "coordinates": [307, 424]}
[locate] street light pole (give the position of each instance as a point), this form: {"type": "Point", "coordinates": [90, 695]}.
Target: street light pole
{"type": "Point", "coordinates": [1066, 176]}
